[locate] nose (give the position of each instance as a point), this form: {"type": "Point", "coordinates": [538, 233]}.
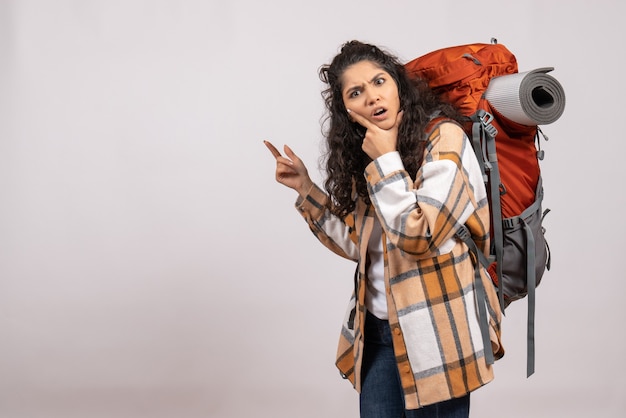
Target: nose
{"type": "Point", "coordinates": [371, 97]}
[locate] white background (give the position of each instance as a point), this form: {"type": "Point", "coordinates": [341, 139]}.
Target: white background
{"type": "Point", "coordinates": [150, 265]}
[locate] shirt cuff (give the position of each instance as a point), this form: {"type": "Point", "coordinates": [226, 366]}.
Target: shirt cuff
{"type": "Point", "coordinates": [314, 203]}
{"type": "Point", "coordinates": [389, 163]}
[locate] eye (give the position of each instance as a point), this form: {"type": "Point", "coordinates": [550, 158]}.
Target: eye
{"type": "Point", "coordinates": [354, 93]}
{"type": "Point", "coordinates": [379, 81]}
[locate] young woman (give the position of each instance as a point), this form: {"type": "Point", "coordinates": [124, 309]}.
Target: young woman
{"type": "Point", "coordinates": [402, 179]}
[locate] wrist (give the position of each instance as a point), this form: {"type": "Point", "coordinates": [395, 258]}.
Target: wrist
{"type": "Point", "coordinates": [305, 188]}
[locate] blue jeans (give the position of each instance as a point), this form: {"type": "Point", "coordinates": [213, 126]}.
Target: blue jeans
{"type": "Point", "coordinates": [381, 391]}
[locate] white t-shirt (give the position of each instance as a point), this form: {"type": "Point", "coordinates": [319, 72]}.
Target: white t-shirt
{"type": "Point", "coordinates": [375, 295]}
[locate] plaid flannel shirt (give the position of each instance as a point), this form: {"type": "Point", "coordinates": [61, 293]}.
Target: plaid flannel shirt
{"type": "Point", "coordinates": [429, 274]}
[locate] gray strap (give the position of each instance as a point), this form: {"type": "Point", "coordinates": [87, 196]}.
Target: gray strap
{"type": "Point", "coordinates": [531, 278]}
{"type": "Point", "coordinates": [549, 260]}
{"type": "Point", "coordinates": [496, 211]}
{"type": "Point", "coordinates": [481, 295]}
{"type": "Point", "coordinates": [531, 284]}
{"type": "Point", "coordinates": [476, 139]}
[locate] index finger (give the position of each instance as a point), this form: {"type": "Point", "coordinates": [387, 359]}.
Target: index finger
{"type": "Point", "coordinates": [361, 120]}
{"type": "Point", "coordinates": [272, 149]}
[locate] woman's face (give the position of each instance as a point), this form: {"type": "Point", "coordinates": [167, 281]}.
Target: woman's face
{"type": "Point", "coordinates": [372, 93]}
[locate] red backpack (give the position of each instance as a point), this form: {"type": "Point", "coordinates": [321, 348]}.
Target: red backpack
{"type": "Point", "coordinates": [509, 154]}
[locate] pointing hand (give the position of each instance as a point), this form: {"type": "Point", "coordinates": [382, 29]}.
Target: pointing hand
{"type": "Point", "coordinates": [290, 170]}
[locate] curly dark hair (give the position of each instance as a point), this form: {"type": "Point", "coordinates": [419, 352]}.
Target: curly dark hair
{"type": "Point", "coordinates": [345, 161]}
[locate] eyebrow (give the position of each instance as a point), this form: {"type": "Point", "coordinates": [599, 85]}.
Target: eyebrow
{"type": "Point", "coordinates": [351, 89]}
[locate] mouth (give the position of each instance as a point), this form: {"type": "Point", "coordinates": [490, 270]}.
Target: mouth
{"type": "Point", "coordinates": [379, 113]}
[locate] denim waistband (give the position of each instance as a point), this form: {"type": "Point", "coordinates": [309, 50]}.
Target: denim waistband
{"type": "Point", "coordinates": [377, 331]}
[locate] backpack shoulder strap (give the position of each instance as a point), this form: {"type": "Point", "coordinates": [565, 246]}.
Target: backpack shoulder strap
{"type": "Point", "coordinates": [481, 295]}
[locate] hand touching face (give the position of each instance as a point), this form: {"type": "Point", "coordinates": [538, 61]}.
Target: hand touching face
{"type": "Point", "coordinates": [378, 141]}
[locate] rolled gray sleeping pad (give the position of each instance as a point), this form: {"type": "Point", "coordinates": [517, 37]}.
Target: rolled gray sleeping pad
{"type": "Point", "coordinates": [529, 98]}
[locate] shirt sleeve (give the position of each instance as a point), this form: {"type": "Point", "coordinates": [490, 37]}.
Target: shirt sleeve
{"type": "Point", "coordinates": [339, 235]}
{"type": "Point", "coordinates": [421, 216]}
